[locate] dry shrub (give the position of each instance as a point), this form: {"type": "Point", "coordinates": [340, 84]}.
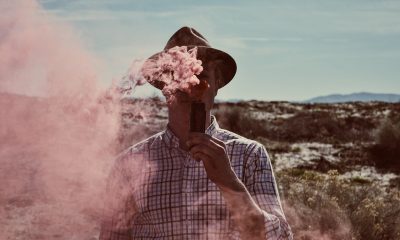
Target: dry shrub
{"type": "Point", "coordinates": [235, 119]}
{"type": "Point", "coordinates": [325, 126]}
{"type": "Point", "coordinates": [305, 126]}
{"type": "Point", "coordinates": [309, 126]}
{"type": "Point", "coordinates": [323, 206]}
{"type": "Point", "coordinates": [385, 153]}
{"type": "Point", "coordinates": [274, 147]}
{"type": "Point", "coordinates": [134, 134]}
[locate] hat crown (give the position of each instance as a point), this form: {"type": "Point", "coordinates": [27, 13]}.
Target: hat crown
{"type": "Point", "coordinates": [187, 36]}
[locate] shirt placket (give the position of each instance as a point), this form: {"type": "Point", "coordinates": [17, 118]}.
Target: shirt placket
{"type": "Point", "coordinates": [187, 195]}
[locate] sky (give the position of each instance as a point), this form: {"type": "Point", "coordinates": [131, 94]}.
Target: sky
{"type": "Point", "coordinates": [285, 50]}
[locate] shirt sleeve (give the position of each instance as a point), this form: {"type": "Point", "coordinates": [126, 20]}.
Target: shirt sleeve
{"type": "Point", "coordinates": [119, 207]}
{"type": "Point", "coordinates": [261, 184]}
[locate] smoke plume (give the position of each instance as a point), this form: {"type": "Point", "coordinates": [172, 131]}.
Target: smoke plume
{"type": "Point", "coordinates": [57, 134]}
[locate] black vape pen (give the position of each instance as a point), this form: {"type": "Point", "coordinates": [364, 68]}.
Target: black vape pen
{"type": "Point", "coordinates": [198, 117]}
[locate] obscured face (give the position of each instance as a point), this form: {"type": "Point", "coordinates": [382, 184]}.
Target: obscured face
{"type": "Point", "coordinates": [210, 75]}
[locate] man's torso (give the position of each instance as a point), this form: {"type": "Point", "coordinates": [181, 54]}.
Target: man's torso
{"type": "Point", "coordinates": [173, 196]}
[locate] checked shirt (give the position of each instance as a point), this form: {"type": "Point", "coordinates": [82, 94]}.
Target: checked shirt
{"type": "Point", "coordinates": [163, 193]}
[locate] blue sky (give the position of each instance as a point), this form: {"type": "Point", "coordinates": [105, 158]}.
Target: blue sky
{"type": "Point", "coordinates": [285, 50]}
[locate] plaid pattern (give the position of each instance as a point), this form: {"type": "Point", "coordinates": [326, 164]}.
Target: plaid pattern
{"type": "Point", "coordinates": [170, 196]}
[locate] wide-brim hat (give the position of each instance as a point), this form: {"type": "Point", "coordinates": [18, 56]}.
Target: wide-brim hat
{"type": "Point", "coordinates": [189, 37]}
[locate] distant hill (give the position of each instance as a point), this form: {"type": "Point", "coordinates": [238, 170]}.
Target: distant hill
{"type": "Point", "coordinates": [355, 97]}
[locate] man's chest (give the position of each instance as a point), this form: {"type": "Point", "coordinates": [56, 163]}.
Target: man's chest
{"type": "Point", "coordinates": [173, 187]}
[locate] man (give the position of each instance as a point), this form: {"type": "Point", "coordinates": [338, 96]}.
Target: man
{"type": "Point", "coordinates": [179, 184]}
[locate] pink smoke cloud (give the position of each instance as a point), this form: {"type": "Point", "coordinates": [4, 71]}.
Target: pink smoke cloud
{"type": "Point", "coordinates": [176, 69]}
{"type": "Point", "coordinates": [58, 136]}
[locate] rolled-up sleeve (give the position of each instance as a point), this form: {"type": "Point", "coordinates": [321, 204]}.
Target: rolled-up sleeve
{"type": "Point", "coordinates": [261, 184]}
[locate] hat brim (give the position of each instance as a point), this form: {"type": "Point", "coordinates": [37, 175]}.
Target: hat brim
{"type": "Point", "coordinates": [222, 60]}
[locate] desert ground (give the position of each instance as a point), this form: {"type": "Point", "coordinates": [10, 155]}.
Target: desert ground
{"type": "Point", "coordinates": [337, 167]}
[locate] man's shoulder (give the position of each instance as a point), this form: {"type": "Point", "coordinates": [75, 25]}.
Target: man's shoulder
{"type": "Point", "coordinates": [135, 152]}
{"type": "Point", "coordinates": [143, 146]}
{"type": "Point", "coordinates": [231, 138]}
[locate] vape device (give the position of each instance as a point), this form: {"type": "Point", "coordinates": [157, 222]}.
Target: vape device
{"type": "Point", "coordinates": [198, 117]}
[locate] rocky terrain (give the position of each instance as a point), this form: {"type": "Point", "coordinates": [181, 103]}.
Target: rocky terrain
{"type": "Point", "coordinates": [337, 167]}
{"type": "Point", "coordinates": [318, 137]}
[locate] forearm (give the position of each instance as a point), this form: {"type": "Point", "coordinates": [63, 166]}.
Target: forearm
{"type": "Point", "coordinates": [245, 212]}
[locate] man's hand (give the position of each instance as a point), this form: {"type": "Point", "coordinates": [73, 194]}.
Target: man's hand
{"type": "Point", "coordinates": [213, 153]}
{"type": "Point", "coordinates": [245, 211]}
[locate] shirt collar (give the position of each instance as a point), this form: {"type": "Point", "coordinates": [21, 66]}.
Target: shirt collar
{"type": "Point", "coordinates": [171, 140]}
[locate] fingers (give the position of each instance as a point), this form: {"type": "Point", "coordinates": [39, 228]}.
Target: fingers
{"type": "Point", "coordinates": [207, 161]}
{"type": "Point", "coordinates": [204, 149]}
{"type": "Point", "coordinates": [201, 138]}
{"type": "Point", "coordinates": [219, 142]}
